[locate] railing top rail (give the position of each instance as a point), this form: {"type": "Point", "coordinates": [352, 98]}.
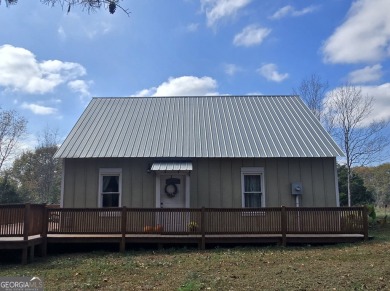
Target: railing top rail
{"type": "Point", "coordinates": [12, 205]}
{"type": "Point", "coordinates": [116, 209]}
{"type": "Point", "coordinates": [326, 208]}
{"type": "Point", "coordinates": [21, 205]}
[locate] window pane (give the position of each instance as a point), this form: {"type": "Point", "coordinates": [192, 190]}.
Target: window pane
{"type": "Point", "coordinates": [253, 200]}
{"type": "Point", "coordinates": [252, 183]}
{"type": "Point", "coordinates": [110, 200]}
{"type": "Point", "coordinates": [110, 184]}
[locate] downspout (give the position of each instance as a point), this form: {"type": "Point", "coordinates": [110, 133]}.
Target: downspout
{"type": "Point", "coordinates": [62, 184]}
{"type": "Point", "coordinates": [296, 200]}
{"type": "Point", "coordinates": [336, 181]}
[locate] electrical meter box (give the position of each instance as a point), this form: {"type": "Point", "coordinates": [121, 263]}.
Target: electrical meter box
{"type": "Point", "coordinates": [296, 188]}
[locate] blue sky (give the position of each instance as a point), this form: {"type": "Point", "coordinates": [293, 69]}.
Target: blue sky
{"type": "Point", "coordinates": [52, 63]}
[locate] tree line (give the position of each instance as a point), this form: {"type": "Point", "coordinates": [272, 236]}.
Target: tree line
{"type": "Point", "coordinates": [377, 181]}
{"type": "Point", "coordinates": [34, 175]}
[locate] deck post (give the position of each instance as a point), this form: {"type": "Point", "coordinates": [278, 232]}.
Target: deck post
{"type": "Point", "coordinates": [26, 222]}
{"type": "Point", "coordinates": [32, 250]}
{"type": "Point", "coordinates": [26, 228]}
{"type": "Point", "coordinates": [122, 246]}
{"type": "Point", "coordinates": [202, 229]}
{"type": "Point", "coordinates": [45, 228]}
{"type": "Point", "coordinates": [283, 220]}
{"type": "Point", "coordinates": [365, 222]}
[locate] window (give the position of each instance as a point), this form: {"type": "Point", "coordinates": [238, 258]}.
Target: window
{"type": "Point", "coordinates": [110, 187]}
{"type": "Point", "coordinates": [252, 183]}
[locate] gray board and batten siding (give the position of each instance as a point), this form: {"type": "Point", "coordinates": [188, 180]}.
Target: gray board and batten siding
{"type": "Point", "coordinates": [214, 182]}
{"type": "Point", "coordinates": [217, 135]}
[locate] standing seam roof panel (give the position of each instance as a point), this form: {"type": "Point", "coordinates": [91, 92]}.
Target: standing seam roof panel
{"type": "Point", "coordinates": [293, 127]}
{"type": "Point", "coordinates": [249, 145]}
{"type": "Point", "coordinates": [259, 147]}
{"type": "Point", "coordinates": [117, 138]}
{"type": "Point", "coordinates": [237, 141]}
{"type": "Point", "coordinates": [264, 129]}
{"type": "Point", "coordinates": [71, 146]}
{"type": "Point", "coordinates": [317, 131]}
{"type": "Point", "coordinates": [275, 134]}
{"type": "Point", "coordinates": [228, 126]}
{"type": "Point", "coordinates": [112, 121]}
{"type": "Point", "coordinates": [304, 132]}
{"type": "Point", "coordinates": [92, 137]}
{"type": "Point", "coordinates": [291, 141]}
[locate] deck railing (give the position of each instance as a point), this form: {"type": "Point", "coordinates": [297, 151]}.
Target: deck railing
{"type": "Point", "coordinates": [21, 220]}
{"type": "Point", "coordinates": [33, 219]}
{"type": "Point", "coordinates": [290, 220]}
{"type": "Point", "coordinates": [325, 220]}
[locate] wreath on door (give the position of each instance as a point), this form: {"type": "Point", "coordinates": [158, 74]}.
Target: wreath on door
{"type": "Point", "coordinates": [171, 190]}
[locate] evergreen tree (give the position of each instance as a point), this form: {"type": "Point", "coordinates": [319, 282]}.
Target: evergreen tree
{"type": "Point", "coordinates": [9, 192]}
{"type": "Point", "coordinates": [360, 195]}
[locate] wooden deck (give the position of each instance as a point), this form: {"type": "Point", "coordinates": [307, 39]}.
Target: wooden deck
{"type": "Point", "coordinates": [26, 227]}
{"type": "Point", "coordinates": [202, 243]}
{"type": "Point", "coordinates": [19, 243]}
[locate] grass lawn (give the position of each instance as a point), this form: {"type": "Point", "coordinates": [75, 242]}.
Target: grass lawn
{"type": "Point", "coordinates": [361, 266]}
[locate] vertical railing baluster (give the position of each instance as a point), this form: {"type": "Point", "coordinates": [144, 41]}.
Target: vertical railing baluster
{"type": "Point", "coordinates": [283, 220]}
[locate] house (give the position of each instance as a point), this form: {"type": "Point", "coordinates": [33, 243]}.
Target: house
{"type": "Point", "coordinates": [190, 152]}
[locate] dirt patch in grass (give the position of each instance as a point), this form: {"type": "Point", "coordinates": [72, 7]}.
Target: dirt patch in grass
{"type": "Point", "coordinates": [361, 266]}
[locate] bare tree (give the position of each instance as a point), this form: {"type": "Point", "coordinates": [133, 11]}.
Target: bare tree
{"type": "Point", "coordinates": [12, 127]}
{"type": "Point", "coordinates": [362, 141]}
{"type": "Point", "coordinates": [312, 90]}
{"type": "Point", "coordinates": [89, 5]}
{"type": "Point", "coordinates": [48, 137]}
{"type": "Point", "coordinates": [49, 169]}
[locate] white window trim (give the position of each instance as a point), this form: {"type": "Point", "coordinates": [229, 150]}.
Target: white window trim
{"type": "Point", "coordinates": [107, 172]}
{"type": "Point", "coordinates": [252, 171]}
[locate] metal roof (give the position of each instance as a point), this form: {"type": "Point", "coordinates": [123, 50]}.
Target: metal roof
{"type": "Point", "coordinates": [171, 166]}
{"type": "Point", "coordinates": [187, 127]}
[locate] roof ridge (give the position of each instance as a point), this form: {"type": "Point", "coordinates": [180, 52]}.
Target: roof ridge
{"type": "Point", "coordinates": [207, 96]}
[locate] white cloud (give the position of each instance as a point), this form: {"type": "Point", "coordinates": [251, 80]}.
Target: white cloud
{"type": "Point", "coordinates": [20, 71]}
{"type": "Point", "coordinates": [80, 86]}
{"type": "Point", "coordinates": [231, 69]}
{"type": "Point", "coordinates": [192, 27]}
{"type": "Point", "coordinates": [270, 72]}
{"type": "Point", "coordinates": [145, 92]}
{"type": "Point", "coordinates": [219, 9]}
{"type": "Point", "coordinates": [91, 27]}
{"type": "Point", "coordinates": [255, 94]}
{"type": "Point", "coordinates": [251, 35]}
{"type": "Point", "coordinates": [291, 11]}
{"type": "Point", "coordinates": [61, 33]}
{"type": "Point", "coordinates": [100, 28]}
{"type": "Point", "coordinates": [381, 102]}
{"type": "Point", "coordinates": [363, 37]}
{"type": "Point", "coordinates": [182, 86]}
{"type": "Point", "coordinates": [39, 109]}
{"type": "Point", "coordinates": [282, 12]}
{"type": "Point", "coordinates": [366, 75]}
